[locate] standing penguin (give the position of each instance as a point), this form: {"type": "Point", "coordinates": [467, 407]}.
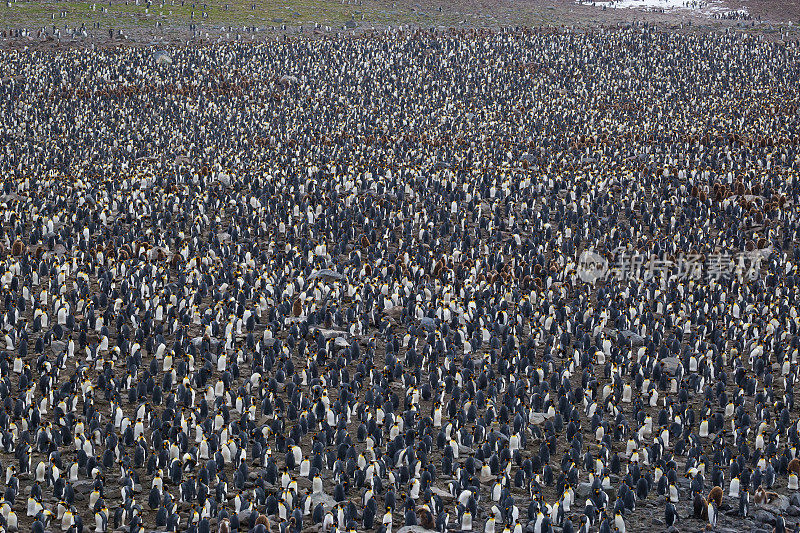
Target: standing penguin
{"type": "Point", "coordinates": [670, 514]}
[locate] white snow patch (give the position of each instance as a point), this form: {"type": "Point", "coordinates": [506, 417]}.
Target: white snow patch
{"type": "Point", "coordinates": [701, 6]}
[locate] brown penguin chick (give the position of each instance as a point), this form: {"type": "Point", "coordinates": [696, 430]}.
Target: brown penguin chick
{"type": "Point", "coordinates": [364, 241]}
{"type": "Point", "coordinates": [224, 526]}
{"type": "Point", "coordinates": [760, 496]}
{"type": "Point", "coordinates": [17, 248]}
{"type": "Point", "coordinates": [794, 466]}
{"type": "Point", "coordinates": [425, 518]}
{"type": "Point", "coordinates": [437, 270]}
{"type": "Point", "coordinates": [700, 506]}
{"type": "Point", "coordinates": [527, 281]}
{"type": "Point", "coordinates": [262, 519]}
{"type": "Point", "coordinates": [715, 496]}
{"type": "Point", "coordinates": [297, 307]}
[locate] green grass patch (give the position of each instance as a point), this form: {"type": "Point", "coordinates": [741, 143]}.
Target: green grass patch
{"type": "Point", "coordinates": [180, 12]}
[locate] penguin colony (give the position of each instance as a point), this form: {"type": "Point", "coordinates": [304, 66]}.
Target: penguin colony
{"type": "Point", "coordinates": [333, 285]}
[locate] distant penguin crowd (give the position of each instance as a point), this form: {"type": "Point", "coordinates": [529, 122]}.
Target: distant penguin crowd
{"type": "Point", "coordinates": [509, 281]}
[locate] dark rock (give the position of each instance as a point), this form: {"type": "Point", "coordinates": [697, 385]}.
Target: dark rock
{"type": "Point", "coordinates": [427, 323]}
{"type": "Point", "coordinates": [778, 506]}
{"type": "Point", "coordinates": [670, 365]}
{"type": "Point", "coordinates": [794, 499]}
{"type": "Point", "coordinates": [325, 274]}
{"type": "Point", "coordinates": [762, 516]}
{"type": "Point", "coordinates": [413, 529]}
{"type": "Point", "coordinates": [583, 491]}
{"type": "Point", "coordinates": [443, 494]}
{"type": "Point", "coordinates": [633, 338]}
{"type": "Point", "coordinates": [327, 501]}
{"type": "Point", "coordinates": [538, 418]}
{"type": "Point", "coordinates": [83, 485]}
